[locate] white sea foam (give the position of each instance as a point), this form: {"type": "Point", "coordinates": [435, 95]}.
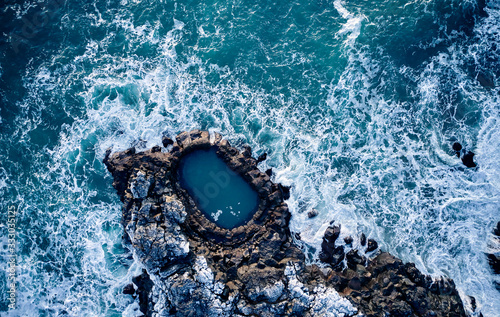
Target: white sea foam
{"type": "Point", "coordinates": [353, 25]}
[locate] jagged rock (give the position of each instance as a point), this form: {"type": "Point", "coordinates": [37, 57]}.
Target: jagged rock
{"type": "Point", "coordinates": [140, 186]}
{"type": "Point", "coordinates": [372, 245]}
{"type": "Point", "coordinates": [144, 286]}
{"type": "Point", "coordinates": [494, 256]}
{"type": "Point", "coordinates": [262, 157]}
{"type": "Point", "coordinates": [457, 147]}
{"type": "Point", "coordinates": [467, 159]}
{"type": "Point", "coordinates": [312, 213]}
{"type": "Point", "coordinates": [195, 268]}
{"type": "Point", "coordinates": [362, 240]}
{"type": "Point", "coordinates": [166, 141]}
{"type": "Point", "coordinates": [129, 289]}
{"type": "Point", "coordinates": [285, 191]}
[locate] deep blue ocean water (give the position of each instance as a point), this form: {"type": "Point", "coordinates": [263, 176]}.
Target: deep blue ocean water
{"type": "Point", "coordinates": [356, 103]}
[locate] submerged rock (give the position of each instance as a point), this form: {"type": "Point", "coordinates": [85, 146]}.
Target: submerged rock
{"type": "Point", "coordinates": [312, 213]}
{"type": "Point", "coordinates": [195, 268]}
{"type": "Point", "coordinates": [466, 156]}
{"type": "Point", "coordinates": [494, 255]}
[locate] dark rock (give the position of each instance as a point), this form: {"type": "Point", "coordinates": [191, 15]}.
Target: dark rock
{"type": "Point", "coordinates": [337, 256]}
{"type": "Point", "coordinates": [312, 213]}
{"type": "Point", "coordinates": [338, 282]}
{"type": "Point", "coordinates": [457, 147]}
{"type": "Point", "coordinates": [129, 289]}
{"type": "Point", "coordinates": [285, 191]}
{"type": "Point", "coordinates": [155, 149]}
{"type": "Point", "coordinates": [494, 262]}
{"type": "Point", "coordinates": [355, 284]}
{"type": "Point", "coordinates": [328, 245]}
{"type": "Point", "coordinates": [262, 158]}
{"type": "Point", "coordinates": [354, 258]}
{"type": "Point", "coordinates": [372, 245]}
{"type": "Point", "coordinates": [348, 240]}
{"type": "Point", "coordinates": [496, 231]}
{"type": "Point", "coordinates": [362, 239]}
{"type": "Point", "coordinates": [473, 303]}
{"type": "Point", "coordinates": [144, 287]}
{"type": "Point", "coordinates": [166, 141]}
{"type": "Point", "coordinates": [247, 151]}
{"type": "Point", "coordinates": [269, 172]}
{"type": "Point", "coordinates": [467, 159]}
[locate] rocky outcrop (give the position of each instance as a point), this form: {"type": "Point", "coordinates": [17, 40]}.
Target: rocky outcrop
{"type": "Point", "coordinates": [493, 253]}
{"type": "Point", "coordinates": [195, 268]}
{"type": "Point", "coordinates": [384, 284]}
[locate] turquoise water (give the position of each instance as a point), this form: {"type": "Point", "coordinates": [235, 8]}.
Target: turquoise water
{"type": "Point", "coordinates": [357, 104]}
{"type": "Point", "coordinates": [221, 194]}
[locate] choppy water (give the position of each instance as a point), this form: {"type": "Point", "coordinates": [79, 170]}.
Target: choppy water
{"type": "Point", "coordinates": [356, 103]}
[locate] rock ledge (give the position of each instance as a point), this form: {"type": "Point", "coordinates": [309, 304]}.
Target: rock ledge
{"type": "Point", "coordinates": [195, 268]}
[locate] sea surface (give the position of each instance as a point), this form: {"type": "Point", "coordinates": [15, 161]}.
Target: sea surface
{"type": "Point", "coordinates": [356, 103]}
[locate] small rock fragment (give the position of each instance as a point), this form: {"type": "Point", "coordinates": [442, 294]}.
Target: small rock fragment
{"type": "Point", "coordinates": [372, 245]}
{"type": "Point", "coordinates": [312, 213]}
{"type": "Point", "coordinates": [166, 141]}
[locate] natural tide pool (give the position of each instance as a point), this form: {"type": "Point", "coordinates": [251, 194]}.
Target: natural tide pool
{"type": "Point", "coordinates": [220, 193]}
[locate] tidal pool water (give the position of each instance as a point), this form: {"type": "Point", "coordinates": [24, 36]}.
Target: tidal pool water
{"type": "Point", "coordinates": [221, 194]}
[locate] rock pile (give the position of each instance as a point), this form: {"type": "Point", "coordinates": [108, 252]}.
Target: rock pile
{"type": "Point", "coordinates": [195, 268]}
{"type": "Point", "coordinates": [384, 284]}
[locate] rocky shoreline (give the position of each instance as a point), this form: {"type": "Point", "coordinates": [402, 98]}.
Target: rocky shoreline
{"type": "Point", "coordinates": [195, 268]}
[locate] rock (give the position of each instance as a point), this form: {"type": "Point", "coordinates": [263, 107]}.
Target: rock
{"type": "Point", "coordinates": [269, 172]}
{"type": "Point", "coordinates": [362, 240]}
{"type": "Point", "coordinates": [372, 245]}
{"type": "Point", "coordinates": [494, 262]}
{"type": "Point", "coordinates": [496, 231]}
{"type": "Point", "coordinates": [247, 151]}
{"type": "Point", "coordinates": [130, 151]}
{"type": "Point", "coordinates": [312, 213]}
{"type": "Point", "coordinates": [467, 159]}
{"type": "Point", "coordinates": [354, 258]}
{"type": "Point", "coordinates": [166, 141]}
{"type": "Point", "coordinates": [285, 191]}
{"type": "Point", "coordinates": [354, 284]}
{"type": "Point", "coordinates": [140, 186]}
{"type": "Point", "coordinates": [129, 289]}
{"type": "Point", "coordinates": [348, 240]}
{"type": "Point", "coordinates": [457, 147]}
{"type": "Point", "coordinates": [329, 253]}
{"type": "Point", "coordinates": [144, 287]}
{"type": "Point", "coordinates": [262, 158]}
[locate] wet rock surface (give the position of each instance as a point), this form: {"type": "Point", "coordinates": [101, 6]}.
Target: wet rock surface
{"type": "Point", "coordinates": [384, 285]}
{"type": "Point", "coordinates": [195, 268]}
{"type": "Point", "coordinates": [493, 254]}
